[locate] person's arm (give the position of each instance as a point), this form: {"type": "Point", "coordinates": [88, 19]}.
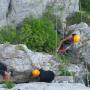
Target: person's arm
{"type": "Point", "coordinates": [65, 39]}
{"type": "Point", "coordinates": [7, 75]}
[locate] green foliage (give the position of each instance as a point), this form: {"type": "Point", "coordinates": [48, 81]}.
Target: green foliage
{"type": "Point", "coordinates": [24, 33]}
{"type": "Point", "coordinates": [64, 72]}
{"type": "Point", "coordinates": [8, 34]}
{"type": "Point", "coordinates": [85, 5]}
{"type": "Point", "coordinates": [63, 58]}
{"type": "Point", "coordinates": [8, 84]}
{"type": "Point", "coordinates": [38, 34]}
{"type": "Point", "coordinates": [77, 18]}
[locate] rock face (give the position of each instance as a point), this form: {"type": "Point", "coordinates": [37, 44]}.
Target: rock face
{"type": "Point", "coordinates": [3, 9]}
{"type": "Point", "coordinates": [21, 61]}
{"type": "Point", "coordinates": [49, 86]}
{"type": "Point", "coordinates": [14, 11]}
{"type": "Point", "coordinates": [79, 72]}
{"type": "Point", "coordinates": [84, 51]}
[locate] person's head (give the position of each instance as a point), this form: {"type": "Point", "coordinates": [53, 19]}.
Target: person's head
{"type": "Point", "coordinates": [76, 38]}
{"type": "Point", "coordinates": [35, 73]}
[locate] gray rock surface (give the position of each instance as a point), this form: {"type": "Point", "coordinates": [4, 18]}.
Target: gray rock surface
{"type": "Point", "coordinates": [3, 10]}
{"type": "Point", "coordinates": [84, 47]}
{"type": "Point", "coordinates": [48, 86]}
{"type": "Point", "coordinates": [84, 31]}
{"type": "Point", "coordinates": [79, 72]}
{"type": "Point", "coordinates": [21, 61]}
{"type": "Point", "coordinates": [14, 11]}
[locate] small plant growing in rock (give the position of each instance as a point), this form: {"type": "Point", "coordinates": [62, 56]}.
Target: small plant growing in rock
{"type": "Point", "coordinates": [8, 84]}
{"type": "Point", "coordinates": [64, 72]}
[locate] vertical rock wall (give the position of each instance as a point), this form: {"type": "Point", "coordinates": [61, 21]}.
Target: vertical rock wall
{"type": "Point", "coordinates": [14, 11]}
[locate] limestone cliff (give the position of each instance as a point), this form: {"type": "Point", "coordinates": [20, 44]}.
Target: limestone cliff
{"type": "Point", "coordinates": [14, 11]}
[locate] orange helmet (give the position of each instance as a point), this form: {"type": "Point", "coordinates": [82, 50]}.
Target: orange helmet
{"type": "Point", "coordinates": [35, 73]}
{"type": "Point", "coordinates": [76, 39]}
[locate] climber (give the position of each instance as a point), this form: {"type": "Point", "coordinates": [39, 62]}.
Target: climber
{"type": "Point", "coordinates": [3, 71]}
{"type": "Point", "coordinates": [68, 41]}
{"type": "Point", "coordinates": [44, 76]}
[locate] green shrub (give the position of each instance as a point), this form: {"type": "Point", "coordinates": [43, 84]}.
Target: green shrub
{"type": "Point", "coordinates": [85, 5]}
{"type": "Point", "coordinates": [8, 34]}
{"type": "Point", "coordinates": [38, 34]}
{"type": "Point", "coordinates": [8, 84]}
{"type": "Point", "coordinates": [64, 72]}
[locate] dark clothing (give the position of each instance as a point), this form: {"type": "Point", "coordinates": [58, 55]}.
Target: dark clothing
{"type": "Point", "coordinates": [46, 76]}
{"type": "Point", "coordinates": [64, 45]}
{"type": "Point", "coordinates": [3, 68]}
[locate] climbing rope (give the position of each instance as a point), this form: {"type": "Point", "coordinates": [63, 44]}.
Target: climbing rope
{"type": "Point", "coordinates": [80, 11]}
{"type": "Point", "coordinates": [61, 55]}
{"type": "Point", "coordinates": [56, 36]}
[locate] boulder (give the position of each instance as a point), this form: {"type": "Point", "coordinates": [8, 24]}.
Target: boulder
{"type": "Point", "coordinates": [20, 60]}
{"type": "Point", "coordinates": [84, 47]}
{"type": "Point", "coordinates": [78, 71]}
{"type": "Point", "coordinates": [3, 10]}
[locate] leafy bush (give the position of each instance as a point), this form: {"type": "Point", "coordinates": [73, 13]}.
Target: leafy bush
{"type": "Point", "coordinates": [8, 84]}
{"type": "Point", "coordinates": [38, 34]}
{"type": "Point", "coordinates": [85, 5]}
{"type": "Point", "coordinates": [8, 34]}
{"type": "Point", "coordinates": [64, 72]}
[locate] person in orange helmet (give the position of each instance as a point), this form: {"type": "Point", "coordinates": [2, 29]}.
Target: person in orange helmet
{"type": "Point", "coordinates": [68, 41]}
{"type": "Point", "coordinates": [43, 75]}
{"type": "Point", "coordinates": [3, 71]}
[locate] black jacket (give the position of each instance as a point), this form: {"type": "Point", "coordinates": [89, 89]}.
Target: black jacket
{"type": "Point", "coordinates": [46, 76]}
